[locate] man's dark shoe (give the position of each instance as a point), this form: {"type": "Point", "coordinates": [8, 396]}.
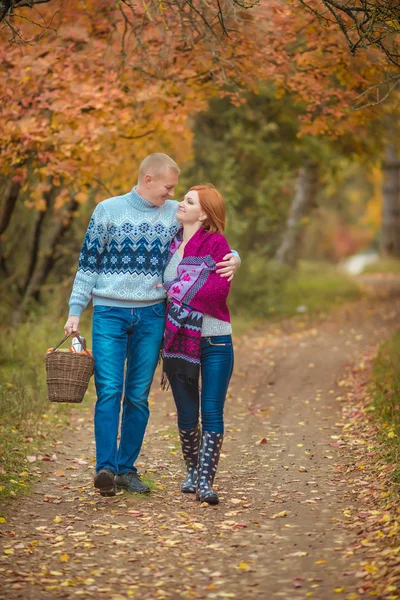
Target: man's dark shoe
{"type": "Point", "coordinates": [132, 483]}
{"type": "Point", "coordinates": [104, 481]}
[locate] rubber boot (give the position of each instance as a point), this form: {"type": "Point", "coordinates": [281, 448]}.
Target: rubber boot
{"type": "Point", "coordinates": [210, 450]}
{"type": "Point", "coordinates": [190, 442]}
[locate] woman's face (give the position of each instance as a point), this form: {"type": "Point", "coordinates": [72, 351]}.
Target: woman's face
{"type": "Point", "coordinates": [189, 210]}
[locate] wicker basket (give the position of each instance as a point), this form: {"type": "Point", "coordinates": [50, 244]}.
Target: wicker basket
{"type": "Point", "coordinates": [68, 373]}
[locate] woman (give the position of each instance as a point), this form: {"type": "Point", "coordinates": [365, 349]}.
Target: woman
{"type": "Point", "coordinates": [198, 335]}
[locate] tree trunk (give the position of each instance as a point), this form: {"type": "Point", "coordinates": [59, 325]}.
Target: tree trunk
{"type": "Point", "coordinates": [46, 261]}
{"type": "Point", "coordinates": [9, 201]}
{"type": "Point", "coordinates": [390, 228]}
{"type": "Point", "coordinates": [303, 202]}
{"type": "Point", "coordinates": [37, 233]}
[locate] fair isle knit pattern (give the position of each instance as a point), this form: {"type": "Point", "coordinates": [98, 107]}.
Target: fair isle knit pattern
{"type": "Point", "coordinates": [124, 253]}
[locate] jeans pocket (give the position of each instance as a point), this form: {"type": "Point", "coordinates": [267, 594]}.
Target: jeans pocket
{"type": "Point", "coordinates": [219, 341]}
{"type": "Point", "coordinates": [98, 309]}
{"type": "Point", "coordinates": [159, 309]}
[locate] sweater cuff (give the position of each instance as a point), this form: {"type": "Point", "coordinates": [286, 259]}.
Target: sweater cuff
{"type": "Point", "coordinates": [75, 310]}
{"type": "Point", "coordinates": [237, 255]}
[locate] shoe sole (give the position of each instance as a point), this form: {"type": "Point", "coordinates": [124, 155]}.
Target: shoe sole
{"type": "Point", "coordinates": [208, 500]}
{"type": "Point", "coordinates": [124, 487]}
{"type": "Point", "coordinates": [105, 485]}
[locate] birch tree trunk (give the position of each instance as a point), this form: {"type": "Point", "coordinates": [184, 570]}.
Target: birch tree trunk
{"type": "Point", "coordinates": [390, 228]}
{"type": "Point", "coordinates": [289, 251]}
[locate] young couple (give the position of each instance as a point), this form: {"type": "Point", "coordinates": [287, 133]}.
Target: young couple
{"type": "Point", "coordinates": [157, 270]}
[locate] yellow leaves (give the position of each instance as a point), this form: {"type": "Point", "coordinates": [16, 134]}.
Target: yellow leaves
{"type": "Point", "coordinates": [8, 551]}
{"type": "Point", "coordinates": [196, 525]}
{"type": "Point", "coordinates": [339, 590]}
{"type": "Point", "coordinates": [321, 562]}
{"type": "Point", "coordinates": [2, 519]}
{"type": "Point", "coordinates": [385, 519]}
{"type": "Point", "coordinates": [279, 515]}
{"type": "Point", "coordinates": [371, 569]}
{"type": "Point", "coordinates": [57, 520]}
{"type": "Point", "coordinates": [64, 558]}
{"type": "Point", "coordinates": [391, 434]}
{"type": "Point", "coordinates": [244, 566]}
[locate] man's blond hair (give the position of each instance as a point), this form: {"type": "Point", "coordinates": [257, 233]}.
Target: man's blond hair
{"type": "Point", "coordinates": [155, 164]}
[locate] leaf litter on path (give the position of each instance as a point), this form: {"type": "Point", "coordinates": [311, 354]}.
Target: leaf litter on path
{"type": "Point", "coordinates": [279, 531]}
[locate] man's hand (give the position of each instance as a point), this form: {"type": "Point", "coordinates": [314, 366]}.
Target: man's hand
{"type": "Point", "coordinates": [72, 325]}
{"type": "Point", "coordinates": [227, 268]}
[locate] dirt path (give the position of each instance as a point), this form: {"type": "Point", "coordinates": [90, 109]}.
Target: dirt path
{"type": "Point", "coordinates": [277, 532]}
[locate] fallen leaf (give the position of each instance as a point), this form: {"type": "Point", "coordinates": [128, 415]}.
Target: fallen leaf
{"type": "Point", "coordinates": [263, 440]}
{"type": "Point", "coordinates": [279, 515]}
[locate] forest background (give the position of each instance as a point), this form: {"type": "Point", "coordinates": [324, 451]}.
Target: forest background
{"type": "Point", "coordinates": [289, 107]}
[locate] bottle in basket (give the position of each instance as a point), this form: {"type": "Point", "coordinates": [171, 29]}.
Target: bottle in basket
{"type": "Point", "coordinates": [76, 345]}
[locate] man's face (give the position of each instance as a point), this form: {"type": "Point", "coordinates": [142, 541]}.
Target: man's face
{"type": "Point", "coordinates": [162, 187]}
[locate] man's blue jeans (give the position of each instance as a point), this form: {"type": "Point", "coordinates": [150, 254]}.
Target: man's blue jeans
{"type": "Point", "coordinates": [130, 336]}
{"type": "Point", "coordinates": [216, 370]}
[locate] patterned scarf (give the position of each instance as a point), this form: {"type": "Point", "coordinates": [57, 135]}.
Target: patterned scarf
{"type": "Point", "coordinates": [196, 290]}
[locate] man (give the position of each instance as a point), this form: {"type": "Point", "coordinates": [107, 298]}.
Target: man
{"type": "Point", "coordinates": [120, 268]}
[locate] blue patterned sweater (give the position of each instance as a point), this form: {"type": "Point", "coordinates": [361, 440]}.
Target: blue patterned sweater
{"type": "Point", "coordinates": [124, 253]}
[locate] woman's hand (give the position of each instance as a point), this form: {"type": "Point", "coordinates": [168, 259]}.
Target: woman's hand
{"type": "Point", "coordinates": [227, 267]}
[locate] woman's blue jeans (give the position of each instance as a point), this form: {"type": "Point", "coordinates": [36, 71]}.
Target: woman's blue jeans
{"type": "Point", "coordinates": [126, 346]}
{"type": "Point", "coordinates": [216, 370]}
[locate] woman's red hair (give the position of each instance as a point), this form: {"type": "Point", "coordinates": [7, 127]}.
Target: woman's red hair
{"type": "Point", "coordinates": [213, 204]}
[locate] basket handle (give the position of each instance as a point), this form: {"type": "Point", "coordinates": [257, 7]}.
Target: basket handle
{"type": "Point", "coordinates": [75, 334]}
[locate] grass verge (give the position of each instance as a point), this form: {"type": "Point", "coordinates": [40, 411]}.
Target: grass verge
{"type": "Point", "coordinates": [316, 287]}
{"type": "Point", "coordinates": [273, 293]}
{"type": "Point", "coordinates": [384, 265]}
{"type": "Point", "coordinates": [29, 423]}
{"type": "Point", "coordinates": [385, 391]}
